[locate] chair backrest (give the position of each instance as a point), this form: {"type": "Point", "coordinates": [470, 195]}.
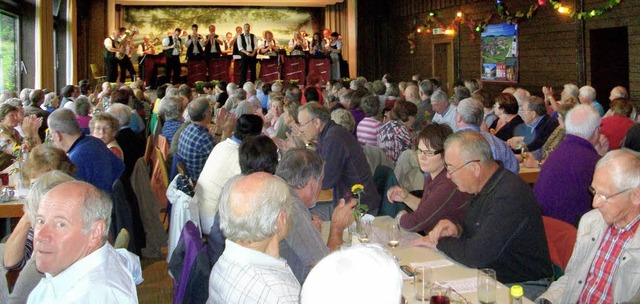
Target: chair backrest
{"type": "Point", "coordinates": [163, 145]}
{"type": "Point", "coordinates": [94, 71]}
{"type": "Point", "coordinates": [561, 237]}
{"type": "Point", "coordinates": [149, 154]}
{"type": "Point", "coordinates": [160, 178]}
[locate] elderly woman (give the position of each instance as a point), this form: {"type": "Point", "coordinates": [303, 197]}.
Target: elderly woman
{"type": "Point", "coordinates": [83, 109]}
{"type": "Point", "coordinates": [10, 119]}
{"type": "Point", "coordinates": [440, 197]}
{"type": "Point", "coordinates": [268, 45]}
{"type": "Point", "coordinates": [392, 95]}
{"type": "Point", "coordinates": [172, 112]}
{"type": "Point", "coordinates": [506, 107]}
{"type": "Point", "coordinates": [51, 102]}
{"type": "Point", "coordinates": [272, 119]}
{"type": "Point", "coordinates": [104, 126]}
{"type": "Point", "coordinates": [367, 129]}
{"type": "Point", "coordinates": [615, 127]}
{"type": "Point", "coordinates": [394, 136]}
{"type": "Point", "coordinates": [344, 118]}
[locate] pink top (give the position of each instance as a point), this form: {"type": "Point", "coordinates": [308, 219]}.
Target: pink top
{"type": "Point", "coordinates": [367, 131]}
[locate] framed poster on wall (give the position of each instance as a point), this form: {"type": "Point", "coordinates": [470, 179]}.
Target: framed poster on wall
{"type": "Point", "coordinates": [499, 49]}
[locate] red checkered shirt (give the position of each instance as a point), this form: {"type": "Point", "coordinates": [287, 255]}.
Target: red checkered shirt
{"type": "Point", "coordinates": [598, 287]}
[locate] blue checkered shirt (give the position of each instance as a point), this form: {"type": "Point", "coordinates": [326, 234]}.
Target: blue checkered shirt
{"type": "Point", "coordinates": [194, 146]}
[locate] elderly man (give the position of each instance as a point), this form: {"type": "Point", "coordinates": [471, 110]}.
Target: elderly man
{"type": "Point", "coordinates": [132, 144]}
{"type": "Point", "coordinates": [254, 216]}
{"type": "Point", "coordinates": [425, 109]}
{"type": "Point", "coordinates": [605, 261]}
{"type": "Point", "coordinates": [247, 44]}
{"type": "Point", "coordinates": [445, 113]}
{"type": "Point", "coordinates": [587, 96]}
{"type": "Point", "coordinates": [562, 188]}
{"type": "Point", "coordinates": [346, 164]}
{"type": "Point", "coordinates": [195, 142]}
{"type": "Point", "coordinates": [538, 125]}
{"type": "Point", "coordinates": [503, 228]}
{"type": "Point", "coordinates": [221, 165]}
{"type": "Point", "coordinates": [469, 116]}
{"type": "Point", "coordinates": [95, 163]}
{"type": "Point", "coordinates": [71, 249]}
{"type": "Point", "coordinates": [302, 170]}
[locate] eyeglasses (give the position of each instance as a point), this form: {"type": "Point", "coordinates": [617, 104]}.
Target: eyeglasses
{"type": "Point", "coordinates": [302, 125]}
{"type": "Point", "coordinates": [451, 171]}
{"type": "Point", "coordinates": [605, 197]}
{"type": "Point", "coordinates": [427, 152]}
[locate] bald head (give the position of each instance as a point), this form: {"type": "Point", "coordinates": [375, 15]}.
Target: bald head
{"type": "Point", "coordinates": [618, 92]}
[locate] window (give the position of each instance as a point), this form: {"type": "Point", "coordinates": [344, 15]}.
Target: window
{"type": "Point", "coordinates": [9, 76]}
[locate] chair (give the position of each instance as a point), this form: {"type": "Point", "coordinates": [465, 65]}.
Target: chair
{"type": "Point", "coordinates": [561, 237]}
{"type": "Point", "coordinates": [160, 179]}
{"type": "Point", "coordinates": [122, 240]}
{"type": "Point", "coordinates": [163, 145]}
{"type": "Point", "coordinates": [94, 73]}
{"type": "Point", "coordinates": [148, 151]}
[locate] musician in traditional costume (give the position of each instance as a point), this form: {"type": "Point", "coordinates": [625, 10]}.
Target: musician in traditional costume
{"type": "Point", "coordinates": [172, 48]}
{"type": "Point", "coordinates": [196, 63]}
{"type": "Point", "coordinates": [111, 47]}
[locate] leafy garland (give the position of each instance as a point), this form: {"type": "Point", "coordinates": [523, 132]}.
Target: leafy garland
{"type": "Point", "coordinates": [584, 15]}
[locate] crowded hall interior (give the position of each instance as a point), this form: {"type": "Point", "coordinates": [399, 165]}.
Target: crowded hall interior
{"type": "Point", "coordinates": [320, 151]}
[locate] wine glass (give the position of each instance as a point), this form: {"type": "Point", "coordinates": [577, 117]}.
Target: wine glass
{"type": "Point", "coordinates": [393, 237]}
{"type": "Point", "coordinates": [364, 231]}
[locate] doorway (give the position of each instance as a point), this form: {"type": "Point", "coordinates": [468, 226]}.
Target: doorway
{"type": "Point", "coordinates": [443, 63]}
{"type": "Point", "coordinates": [609, 49]}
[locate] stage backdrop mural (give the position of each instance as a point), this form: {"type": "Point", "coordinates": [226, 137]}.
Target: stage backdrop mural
{"type": "Point", "coordinates": [500, 53]}
{"type": "Point", "coordinates": [156, 21]}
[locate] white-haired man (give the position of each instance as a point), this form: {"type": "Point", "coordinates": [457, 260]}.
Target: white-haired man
{"type": "Point", "coordinates": [606, 257]}
{"type": "Point", "coordinates": [445, 112]}
{"type": "Point", "coordinates": [342, 277]}
{"type": "Point", "coordinates": [562, 188]}
{"type": "Point", "coordinates": [254, 216]}
{"type": "Point", "coordinates": [71, 249]}
{"type": "Point", "coordinates": [588, 96]}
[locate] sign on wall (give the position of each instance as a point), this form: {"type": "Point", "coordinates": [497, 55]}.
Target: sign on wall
{"type": "Point", "coordinates": [499, 49]}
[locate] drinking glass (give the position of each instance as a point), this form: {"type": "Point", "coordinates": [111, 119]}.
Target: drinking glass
{"type": "Point", "coordinates": [422, 281]}
{"type": "Point", "coordinates": [439, 295]}
{"type": "Point", "coordinates": [393, 237]}
{"type": "Point", "coordinates": [364, 231]}
{"type": "Point", "coordinates": [486, 286]}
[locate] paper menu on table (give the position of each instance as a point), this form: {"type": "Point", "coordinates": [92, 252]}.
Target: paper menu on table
{"type": "Point", "coordinates": [432, 264]}
{"type": "Point", "coordinates": [461, 286]}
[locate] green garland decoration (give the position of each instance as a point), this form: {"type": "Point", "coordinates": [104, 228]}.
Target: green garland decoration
{"type": "Point", "coordinates": [584, 15]}
{"type": "Point", "coordinates": [516, 17]}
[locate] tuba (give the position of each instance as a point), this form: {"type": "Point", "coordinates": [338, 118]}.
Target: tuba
{"type": "Point", "coordinates": [125, 42]}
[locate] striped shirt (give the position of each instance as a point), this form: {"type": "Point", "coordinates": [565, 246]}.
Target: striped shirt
{"type": "Point", "coordinates": [367, 131]}
{"type": "Point", "coordinates": [598, 287]}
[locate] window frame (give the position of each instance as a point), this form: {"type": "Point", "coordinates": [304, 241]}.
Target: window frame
{"type": "Point", "coordinates": [18, 58]}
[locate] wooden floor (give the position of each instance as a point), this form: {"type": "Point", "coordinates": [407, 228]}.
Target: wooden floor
{"type": "Point", "coordinates": [157, 287]}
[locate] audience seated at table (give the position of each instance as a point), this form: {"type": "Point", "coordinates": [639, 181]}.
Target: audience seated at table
{"type": "Point", "coordinates": [444, 112]}
{"type": "Point", "coordinates": [394, 136]}
{"type": "Point", "coordinates": [537, 126]}
{"type": "Point", "coordinates": [82, 110]}
{"type": "Point", "coordinates": [254, 215]}
{"type": "Point", "coordinates": [562, 188]}
{"type": "Point", "coordinates": [470, 116]}
{"type": "Point", "coordinates": [503, 228]}
{"type": "Point", "coordinates": [367, 129]}
{"type": "Point", "coordinates": [365, 273]}
{"type": "Point", "coordinates": [12, 121]}
{"type": "Point", "coordinates": [534, 159]}
{"type": "Point", "coordinates": [615, 127]}
{"type": "Point", "coordinates": [604, 264]}
{"type": "Point", "coordinates": [440, 197]}
{"type": "Point", "coordinates": [104, 126]}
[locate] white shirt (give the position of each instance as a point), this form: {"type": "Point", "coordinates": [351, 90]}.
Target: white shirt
{"type": "Point", "coordinates": [247, 37]}
{"type": "Point", "coordinates": [244, 275]}
{"type": "Point", "coordinates": [195, 48]}
{"type": "Point", "coordinates": [100, 277]}
{"type": "Point", "coordinates": [448, 117]}
{"type": "Point", "coordinates": [176, 44]}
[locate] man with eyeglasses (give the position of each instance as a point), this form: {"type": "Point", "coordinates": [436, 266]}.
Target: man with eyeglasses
{"type": "Point", "coordinates": [562, 188]}
{"type": "Point", "coordinates": [503, 228]}
{"type": "Point", "coordinates": [605, 261]}
{"type": "Point", "coordinates": [537, 125]}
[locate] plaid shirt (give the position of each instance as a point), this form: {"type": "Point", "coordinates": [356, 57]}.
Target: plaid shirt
{"type": "Point", "coordinates": [194, 146]}
{"type": "Point", "coordinates": [598, 287]}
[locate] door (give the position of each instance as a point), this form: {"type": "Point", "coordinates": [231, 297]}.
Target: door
{"type": "Point", "coordinates": [609, 60]}
{"type": "Point", "coordinates": [443, 64]}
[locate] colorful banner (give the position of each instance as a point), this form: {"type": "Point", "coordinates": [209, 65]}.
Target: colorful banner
{"type": "Point", "coordinates": [499, 50]}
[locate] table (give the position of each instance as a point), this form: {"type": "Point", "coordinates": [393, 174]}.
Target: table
{"type": "Point", "coordinates": [529, 175]}
{"type": "Point", "coordinates": [410, 254]}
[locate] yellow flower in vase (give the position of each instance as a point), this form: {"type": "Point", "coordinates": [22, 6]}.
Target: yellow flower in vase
{"type": "Point", "coordinates": [360, 209]}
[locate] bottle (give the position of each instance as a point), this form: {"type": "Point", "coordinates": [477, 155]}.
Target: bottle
{"type": "Point", "coordinates": [516, 294]}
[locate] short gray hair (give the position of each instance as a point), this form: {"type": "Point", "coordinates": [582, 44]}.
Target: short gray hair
{"type": "Point", "coordinates": [231, 87]}
{"type": "Point", "coordinates": [198, 109]}
{"type": "Point", "coordinates": [439, 95]}
{"type": "Point", "coordinates": [344, 118]}
{"type": "Point", "coordinates": [240, 94]}
{"type": "Point", "coordinates": [42, 185]}
{"type": "Point", "coordinates": [263, 205]}
{"type": "Point", "coordinates": [171, 107]}
{"type": "Point", "coordinates": [170, 92]}
{"type": "Point", "coordinates": [64, 121]}
{"type": "Point", "coordinates": [121, 112]}
{"type": "Point", "coordinates": [83, 105]}
{"type": "Point", "coordinates": [49, 99]}
{"type": "Point", "coordinates": [299, 166]}
{"type": "Point", "coordinates": [588, 92]}
{"type": "Point", "coordinates": [316, 111]}
{"type": "Point", "coordinates": [471, 111]}
{"type": "Point", "coordinates": [623, 166]}
{"type": "Point", "coordinates": [473, 146]}
{"type": "Point", "coordinates": [582, 121]}
{"type": "Point", "coordinates": [249, 87]}
{"type": "Point", "coordinates": [364, 266]}
{"type": "Point", "coordinates": [426, 87]}
{"type": "Point", "coordinates": [276, 87]}
{"type": "Point", "coordinates": [370, 105]}
{"type": "Point", "coordinates": [571, 90]}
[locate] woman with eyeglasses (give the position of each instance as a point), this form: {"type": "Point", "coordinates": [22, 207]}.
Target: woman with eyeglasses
{"type": "Point", "coordinates": [441, 199]}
